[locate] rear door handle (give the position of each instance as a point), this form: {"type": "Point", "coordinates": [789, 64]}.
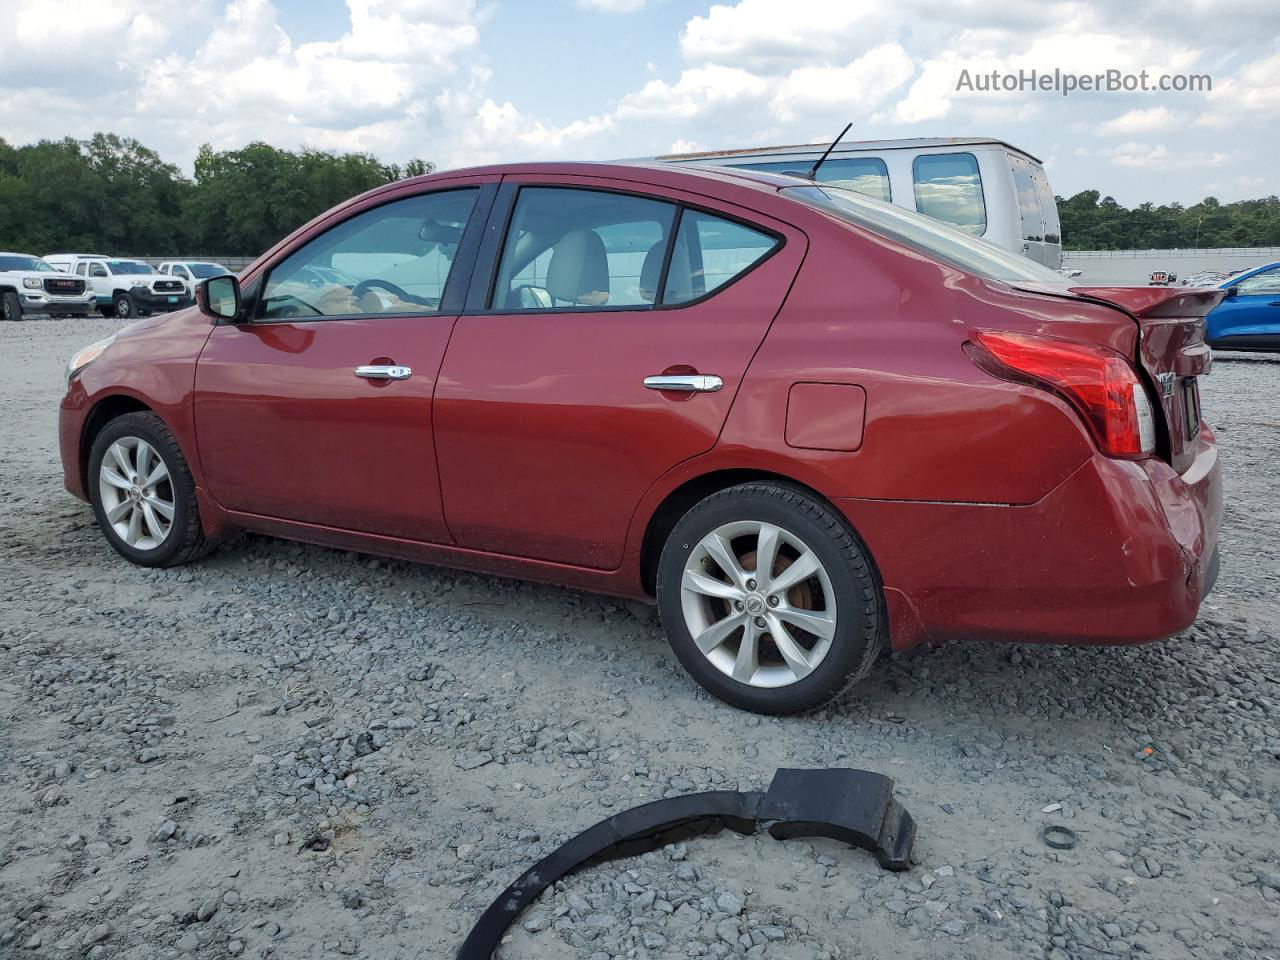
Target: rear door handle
{"type": "Point", "coordinates": [694, 383]}
{"type": "Point", "coordinates": [384, 372]}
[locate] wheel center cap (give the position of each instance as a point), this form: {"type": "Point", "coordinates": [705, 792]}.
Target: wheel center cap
{"type": "Point", "coordinates": [135, 493]}
{"type": "Point", "coordinates": [755, 604]}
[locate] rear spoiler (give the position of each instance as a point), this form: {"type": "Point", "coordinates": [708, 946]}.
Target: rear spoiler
{"type": "Point", "coordinates": [1156, 302]}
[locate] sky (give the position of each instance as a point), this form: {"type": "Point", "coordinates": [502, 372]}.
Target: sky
{"type": "Point", "coordinates": [462, 82]}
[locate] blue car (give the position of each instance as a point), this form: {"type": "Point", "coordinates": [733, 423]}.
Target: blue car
{"type": "Point", "coordinates": [1248, 318]}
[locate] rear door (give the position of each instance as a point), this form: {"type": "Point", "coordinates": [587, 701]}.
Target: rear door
{"type": "Point", "coordinates": [546, 431]}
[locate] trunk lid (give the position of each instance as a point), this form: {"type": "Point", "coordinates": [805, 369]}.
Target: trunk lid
{"type": "Point", "coordinates": [1172, 352]}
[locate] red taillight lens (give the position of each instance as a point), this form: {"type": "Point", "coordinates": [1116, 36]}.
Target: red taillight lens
{"type": "Point", "coordinates": [1100, 383]}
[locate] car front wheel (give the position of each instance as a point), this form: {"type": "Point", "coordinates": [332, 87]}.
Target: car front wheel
{"type": "Point", "coordinates": [123, 304]}
{"type": "Point", "coordinates": [769, 599]}
{"type": "Point", "coordinates": [10, 306]}
{"type": "Point", "coordinates": [143, 493]}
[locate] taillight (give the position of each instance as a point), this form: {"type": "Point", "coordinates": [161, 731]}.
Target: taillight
{"type": "Point", "coordinates": [1100, 383]}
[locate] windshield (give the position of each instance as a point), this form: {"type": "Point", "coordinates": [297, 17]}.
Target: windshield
{"type": "Point", "coordinates": [17, 261]}
{"type": "Point", "coordinates": [929, 236]}
{"type": "Point", "coordinates": [126, 267]}
{"type": "Point", "coordinates": [206, 270]}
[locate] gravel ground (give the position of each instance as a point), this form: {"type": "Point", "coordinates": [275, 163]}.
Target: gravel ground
{"type": "Point", "coordinates": [288, 751]}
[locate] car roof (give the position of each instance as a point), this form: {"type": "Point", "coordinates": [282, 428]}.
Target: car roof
{"type": "Point", "coordinates": [852, 146]}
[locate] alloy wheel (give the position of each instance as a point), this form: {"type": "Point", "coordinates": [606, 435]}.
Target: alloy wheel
{"type": "Point", "coordinates": [758, 603]}
{"type": "Point", "coordinates": [136, 493]}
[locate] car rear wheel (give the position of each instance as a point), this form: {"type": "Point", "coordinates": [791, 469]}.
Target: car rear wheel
{"type": "Point", "coordinates": [123, 304]}
{"type": "Point", "coordinates": [769, 599]}
{"type": "Point", "coordinates": [10, 306]}
{"type": "Point", "coordinates": [143, 494]}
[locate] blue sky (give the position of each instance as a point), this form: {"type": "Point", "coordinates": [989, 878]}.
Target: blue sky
{"type": "Point", "coordinates": [469, 81]}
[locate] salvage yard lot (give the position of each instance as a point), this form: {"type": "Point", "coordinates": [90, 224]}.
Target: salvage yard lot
{"type": "Point", "coordinates": [290, 751]}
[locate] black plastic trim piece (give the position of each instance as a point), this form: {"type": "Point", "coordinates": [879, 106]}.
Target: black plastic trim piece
{"type": "Point", "coordinates": [853, 806]}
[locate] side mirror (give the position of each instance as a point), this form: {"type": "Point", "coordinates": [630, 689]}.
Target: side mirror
{"type": "Point", "coordinates": [219, 298]}
{"type": "Point", "coordinates": [1233, 290]}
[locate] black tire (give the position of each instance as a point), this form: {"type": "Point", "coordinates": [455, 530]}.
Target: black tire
{"type": "Point", "coordinates": [185, 541]}
{"type": "Point", "coordinates": [123, 306]}
{"type": "Point", "coordinates": [10, 306]}
{"type": "Point", "coordinates": [861, 631]}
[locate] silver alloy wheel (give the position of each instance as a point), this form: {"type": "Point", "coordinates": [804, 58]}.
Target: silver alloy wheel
{"type": "Point", "coordinates": [758, 603]}
{"type": "Point", "coordinates": [136, 493]}
{"type": "Point", "coordinates": [123, 307]}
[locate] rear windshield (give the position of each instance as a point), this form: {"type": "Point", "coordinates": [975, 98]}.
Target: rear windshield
{"type": "Point", "coordinates": [929, 236]}
{"type": "Point", "coordinates": [203, 270]}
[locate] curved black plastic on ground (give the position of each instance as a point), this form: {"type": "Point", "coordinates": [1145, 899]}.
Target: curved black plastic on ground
{"type": "Point", "coordinates": [854, 806]}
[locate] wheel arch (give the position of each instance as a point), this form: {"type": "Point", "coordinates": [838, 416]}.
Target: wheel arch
{"type": "Point", "coordinates": [681, 500]}
{"type": "Point", "coordinates": [103, 412]}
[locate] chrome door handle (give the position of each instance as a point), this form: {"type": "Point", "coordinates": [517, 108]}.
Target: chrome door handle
{"type": "Point", "coordinates": [384, 372]}
{"type": "Point", "coordinates": [697, 383]}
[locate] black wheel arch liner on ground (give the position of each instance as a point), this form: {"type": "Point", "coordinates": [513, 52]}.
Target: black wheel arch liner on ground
{"type": "Point", "coordinates": [853, 806]}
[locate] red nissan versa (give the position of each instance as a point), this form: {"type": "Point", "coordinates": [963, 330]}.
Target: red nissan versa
{"type": "Point", "coordinates": [808, 423]}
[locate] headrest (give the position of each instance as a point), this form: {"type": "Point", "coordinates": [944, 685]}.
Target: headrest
{"type": "Point", "coordinates": [651, 271]}
{"type": "Point", "coordinates": [579, 269]}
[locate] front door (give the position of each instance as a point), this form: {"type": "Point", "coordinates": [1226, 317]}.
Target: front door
{"type": "Point", "coordinates": [318, 409]}
{"type": "Point", "coordinates": [547, 433]}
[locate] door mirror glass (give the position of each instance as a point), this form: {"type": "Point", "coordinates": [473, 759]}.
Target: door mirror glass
{"type": "Point", "coordinates": [221, 299]}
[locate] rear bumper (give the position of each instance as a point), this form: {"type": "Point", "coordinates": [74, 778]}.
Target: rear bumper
{"type": "Point", "coordinates": [1120, 552]}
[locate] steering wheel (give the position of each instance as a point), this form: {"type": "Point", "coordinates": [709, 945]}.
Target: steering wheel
{"type": "Point", "coordinates": [364, 286]}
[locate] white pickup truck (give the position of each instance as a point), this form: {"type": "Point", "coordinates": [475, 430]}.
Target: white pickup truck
{"type": "Point", "coordinates": [125, 288]}
{"type": "Point", "coordinates": [29, 287]}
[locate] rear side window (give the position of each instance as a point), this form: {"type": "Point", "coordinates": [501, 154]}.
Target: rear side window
{"type": "Point", "coordinates": [570, 249]}
{"type": "Point", "coordinates": [948, 187]}
{"type": "Point", "coordinates": [710, 252]}
{"type": "Point", "coordinates": [1028, 202]}
{"type": "Point", "coordinates": [866, 175]}
{"type": "Point", "coordinates": [1048, 207]}
{"type": "Point", "coordinates": [393, 259]}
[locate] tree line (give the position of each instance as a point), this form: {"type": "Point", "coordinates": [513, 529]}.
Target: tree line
{"type": "Point", "coordinates": [111, 194]}
{"type": "Point", "coordinates": [1090, 223]}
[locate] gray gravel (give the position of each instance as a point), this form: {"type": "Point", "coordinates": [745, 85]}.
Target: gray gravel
{"type": "Point", "coordinates": [288, 751]}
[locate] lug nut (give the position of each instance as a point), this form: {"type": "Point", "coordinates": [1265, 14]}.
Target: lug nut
{"type": "Point", "coordinates": [773, 601]}
{"type": "Point", "coordinates": [751, 584]}
{"type": "Point", "coordinates": [760, 621]}
{"type": "Point", "coordinates": [738, 605]}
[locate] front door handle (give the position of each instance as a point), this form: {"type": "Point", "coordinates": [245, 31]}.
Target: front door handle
{"type": "Point", "coordinates": [680, 383]}
{"type": "Point", "coordinates": [384, 372]}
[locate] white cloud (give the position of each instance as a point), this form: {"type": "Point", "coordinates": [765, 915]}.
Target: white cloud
{"type": "Point", "coordinates": [857, 87]}
{"type": "Point", "coordinates": [612, 6]}
{"type": "Point", "coordinates": [1151, 120]}
{"type": "Point", "coordinates": [1160, 157]}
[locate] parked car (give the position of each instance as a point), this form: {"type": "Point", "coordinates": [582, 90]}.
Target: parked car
{"type": "Point", "coordinates": [125, 288]}
{"type": "Point", "coordinates": [29, 287]}
{"type": "Point", "coordinates": [982, 186]}
{"type": "Point", "coordinates": [807, 423]}
{"type": "Point", "coordinates": [1162, 278]}
{"type": "Point", "coordinates": [1248, 318]}
{"type": "Point", "coordinates": [193, 271]}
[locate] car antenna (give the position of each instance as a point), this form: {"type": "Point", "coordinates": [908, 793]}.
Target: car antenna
{"type": "Point", "coordinates": [813, 171]}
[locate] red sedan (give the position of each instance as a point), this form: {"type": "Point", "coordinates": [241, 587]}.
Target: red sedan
{"type": "Point", "coordinates": [809, 424]}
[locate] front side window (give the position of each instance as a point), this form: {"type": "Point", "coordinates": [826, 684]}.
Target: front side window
{"type": "Point", "coordinates": [1267, 282]}
{"type": "Point", "coordinates": [948, 187]}
{"type": "Point", "coordinates": [866, 175]}
{"type": "Point", "coordinates": [571, 249]}
{"type": "Point", "coordinates": [709, 252]}
{"type": "Point", "coordinates": [97, 270]}
{"type": "Point", "coordinates": [391, 259]}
